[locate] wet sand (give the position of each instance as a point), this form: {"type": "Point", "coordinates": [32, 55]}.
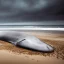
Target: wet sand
{"type": "Point", "coordinates": [10, 54]}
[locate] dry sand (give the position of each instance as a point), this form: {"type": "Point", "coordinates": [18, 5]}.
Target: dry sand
{"type": "Point", "coordinates": [10, 54]}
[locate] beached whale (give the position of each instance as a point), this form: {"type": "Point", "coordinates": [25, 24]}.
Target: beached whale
{"type": "Point", "coordinates": [25, 41]}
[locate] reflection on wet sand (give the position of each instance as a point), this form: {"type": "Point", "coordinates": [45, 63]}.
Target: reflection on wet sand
{"type": "Point", "coordinates": [54, 40]}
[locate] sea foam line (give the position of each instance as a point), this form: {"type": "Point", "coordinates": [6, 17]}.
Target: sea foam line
{"type": "Point", "coordinates": [51, 29]}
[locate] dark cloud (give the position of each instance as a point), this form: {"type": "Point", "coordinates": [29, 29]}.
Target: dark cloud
{"type": "Point", "coordinates": [45, 11]}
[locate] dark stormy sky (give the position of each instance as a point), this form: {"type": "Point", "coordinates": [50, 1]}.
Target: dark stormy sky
{"type": "Point", "coordinates": [29, 12]}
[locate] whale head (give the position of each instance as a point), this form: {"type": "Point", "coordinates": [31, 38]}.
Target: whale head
{"type": "Point", "coordinates": [34, 43]}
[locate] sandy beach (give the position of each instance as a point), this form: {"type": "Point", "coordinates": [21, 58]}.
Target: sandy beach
{"type": "Point", "coordinates": [10, 54]}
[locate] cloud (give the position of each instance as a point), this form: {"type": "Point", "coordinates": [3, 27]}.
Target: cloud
{"type": "Point", "coordinates": [31, 10]}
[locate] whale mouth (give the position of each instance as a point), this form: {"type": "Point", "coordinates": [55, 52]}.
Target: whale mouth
{"type": "Point", "coordinates": [50, 48]}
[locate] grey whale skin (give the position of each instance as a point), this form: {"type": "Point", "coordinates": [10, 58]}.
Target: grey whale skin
{"type": "Point", "coordinates": [25, 41]}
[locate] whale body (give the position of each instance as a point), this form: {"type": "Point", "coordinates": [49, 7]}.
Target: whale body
{"type": "Point", "coordinates": [25, 41]}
